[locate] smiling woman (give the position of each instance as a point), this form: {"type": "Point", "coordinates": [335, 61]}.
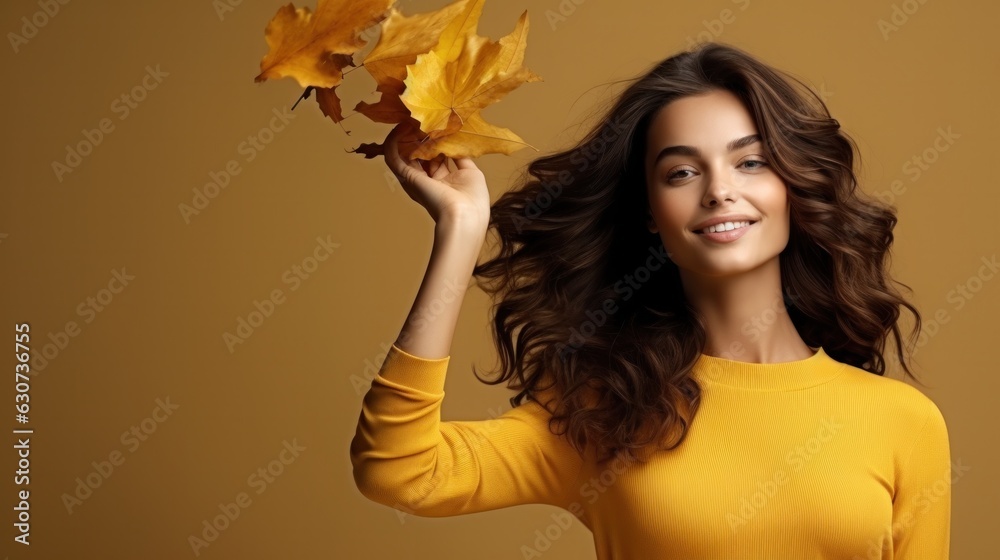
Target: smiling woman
{"type": "Point", "coordinates": [715, 194]}
{"type": "Point", "coordinates": [734, 406]}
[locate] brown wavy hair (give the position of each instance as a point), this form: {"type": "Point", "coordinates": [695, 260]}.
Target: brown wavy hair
{"type": "Point", "coordinates": [617, 354]}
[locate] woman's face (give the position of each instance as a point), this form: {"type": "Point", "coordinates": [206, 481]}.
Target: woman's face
{"type": "Point", "coordinates": [692, 176]}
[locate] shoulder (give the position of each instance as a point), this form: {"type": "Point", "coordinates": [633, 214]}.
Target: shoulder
{"type": "Point", "coordinates": [537, 410]}
{"type": "Point", "coordinates": [905, 405]}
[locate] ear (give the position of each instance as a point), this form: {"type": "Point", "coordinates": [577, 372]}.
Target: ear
{"type": "Point", "coordinates": [650, 224]}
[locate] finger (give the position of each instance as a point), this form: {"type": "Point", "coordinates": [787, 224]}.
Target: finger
{"type": "Point", "coordinates": [439, 166]}
{"type": "Point", "coordinates": [397, 163]}
{"type": "Point", "coordinates": [465, 163]}
{"type": "Point", "coordinates": [391, 149]}
{"type": "Point", "coordinates": [441, 171]}
{"type": "Point", "coordinates": [433, 166]}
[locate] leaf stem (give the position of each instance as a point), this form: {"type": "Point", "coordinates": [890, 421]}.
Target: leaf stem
{"type": "Point", "coordinates": [304, 95]}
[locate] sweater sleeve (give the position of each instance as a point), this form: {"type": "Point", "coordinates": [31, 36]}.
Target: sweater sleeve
{"type": "Point", "coordinates": [405, 457]}
{"type": "Point", "coordinates": [921, 506]}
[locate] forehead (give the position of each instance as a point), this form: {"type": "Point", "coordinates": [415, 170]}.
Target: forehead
{"type": "Point", "coordinates": [706, 121]}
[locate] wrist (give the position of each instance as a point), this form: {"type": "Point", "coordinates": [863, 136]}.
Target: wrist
{"type": "Point", "coordinates": [464, 224]}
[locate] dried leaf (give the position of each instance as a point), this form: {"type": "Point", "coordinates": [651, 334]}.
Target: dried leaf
{"type": "Point", "coordinates": [404, 37]}
{"type": "Point", "coordinates": [389, 108]}
{"type": "Point", "coordinates": [329, 103]}
{"type": "Point", "coordinates": [432, 70]}
{"type": "Point", "coordinates": [476, 137]}
{"type": "Point", "coordinates": [445, 96]}
{"type": "Point", "coordinates": [304, 45]}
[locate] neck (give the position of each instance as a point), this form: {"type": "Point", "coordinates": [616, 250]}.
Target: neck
{"type": "Point", "coordinates": [745, 315]}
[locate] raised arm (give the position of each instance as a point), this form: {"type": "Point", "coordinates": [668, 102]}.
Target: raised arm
{"type": "Point", "coordinates": [402, 454]}
{"type": "Point", "coordinates": [406, 458]}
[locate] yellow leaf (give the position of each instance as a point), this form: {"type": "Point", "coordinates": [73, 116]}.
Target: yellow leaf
{"type": "Point", "coordinates": [404, 37]}
{"type": "Point", "coordinates": [476, 137]}
{"type": "Point", "coordinates": [449, 44]}
{"type": "Point", "coordinates": [305, 46]}
{"type": "Point", "coordinates": [445, 95]}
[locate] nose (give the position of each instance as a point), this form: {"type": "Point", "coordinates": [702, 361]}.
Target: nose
{"type": "Point", "coordinates": [719, 189]}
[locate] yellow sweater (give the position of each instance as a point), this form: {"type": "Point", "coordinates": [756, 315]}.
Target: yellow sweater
{"type": "Point", "coordinates": [809, 459]}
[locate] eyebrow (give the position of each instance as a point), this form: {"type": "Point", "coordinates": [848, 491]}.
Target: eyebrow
{"type": "Point", "coordinates": [732, 146]}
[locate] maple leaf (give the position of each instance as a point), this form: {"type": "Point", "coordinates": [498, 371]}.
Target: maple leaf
{"type": "Point", "coordinates": [404, 37]}
{"type": "Point", "coordinates": [446, 88]}
{"type": "Point", "coordinates": [476, 137]}
{"type": "Point", "coordinates": [314, 48]}
{"type": "Point", "coordinates": [389, 108]}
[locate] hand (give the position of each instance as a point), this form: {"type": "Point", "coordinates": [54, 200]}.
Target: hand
{"type": "Point", "coordinates": [446, 194]}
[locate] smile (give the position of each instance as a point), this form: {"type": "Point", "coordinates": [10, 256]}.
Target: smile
{"type": "Point", "coordinates": [726, 232]}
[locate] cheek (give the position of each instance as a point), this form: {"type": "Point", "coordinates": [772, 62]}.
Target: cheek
{"type": "Point", "coordinates": [774, 200]}
{"type": "Point", "coordinates": [674, 212]}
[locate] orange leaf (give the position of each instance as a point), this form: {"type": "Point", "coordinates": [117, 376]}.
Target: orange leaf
{"type": "Point", "coordinates": [447, 87]}
{"type": "Point", "coordinates": [329, 103]}
{"type": "Point", "coordinates": [389, 108]}
{"type": "Point", "coordinates": [304, 45]}
{"type": "Point", "coordinates": [475, 138]}
{"type": "Point", "coordinates": [403, 38]}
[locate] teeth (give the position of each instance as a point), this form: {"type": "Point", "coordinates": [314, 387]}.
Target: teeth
{"type": "Point", "coordinates": [725, 227]}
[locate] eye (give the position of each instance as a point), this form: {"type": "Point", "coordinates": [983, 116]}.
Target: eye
{"type": "Point", "coordinates": [673, 175]}
{"type": "Point", "coordinates": [758, 164]}
{"type": "Point", "coordinates": [761, 163]}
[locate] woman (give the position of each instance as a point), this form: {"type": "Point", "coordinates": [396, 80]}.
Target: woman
{"type": "Point", "coordinates": [701, 300]}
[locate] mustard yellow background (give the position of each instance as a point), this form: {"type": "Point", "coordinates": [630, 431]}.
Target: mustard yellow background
{"type": "Point", "coordinates": [150, 353]}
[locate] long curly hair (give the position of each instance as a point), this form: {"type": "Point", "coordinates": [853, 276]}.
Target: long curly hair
{"type": "Point", "coordinates": [614, 339]}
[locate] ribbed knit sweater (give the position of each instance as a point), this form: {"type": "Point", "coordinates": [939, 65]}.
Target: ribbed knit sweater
{"type": "Point", "coordinates": [808, 459]}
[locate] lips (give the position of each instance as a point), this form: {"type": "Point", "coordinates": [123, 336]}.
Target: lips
{"type": "Point", "coordinates": [728, 235]}
{"type": "Point", "coordinates": [704, 229]}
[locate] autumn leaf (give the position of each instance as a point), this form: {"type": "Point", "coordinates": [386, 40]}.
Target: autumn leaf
{"type": "Point", "coordinates": [447, 87]}
{"type": "Point", "coordinates": [476, 137]}
{"type": "Point", "coordinates": [314, 48]}
{"type": "Point", "coordinates": [329, 103]}
{"type": "Point", "coordinates": [404, 37]}
{"type": "Point", "coordinates": [432, 70]}
{"type": "Point", "coordinates": [389, 108]}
